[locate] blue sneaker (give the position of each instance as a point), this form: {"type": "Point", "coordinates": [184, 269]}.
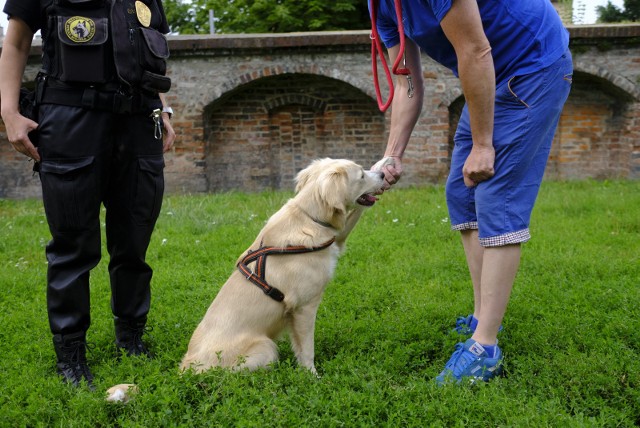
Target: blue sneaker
{"type": "Point", "coordinates": [471, 361]}
{"type": "Point", "coordinates": [463, 325]}
{"type": "Point", "coordinates": [467, 325]}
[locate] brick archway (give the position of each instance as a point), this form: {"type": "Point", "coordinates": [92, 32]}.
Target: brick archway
{"type": "Point", "coordinates": [260, 134]}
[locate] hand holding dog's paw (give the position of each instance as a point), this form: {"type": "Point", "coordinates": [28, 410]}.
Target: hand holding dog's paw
{"type": "Point", "coordinates": [392, 168]}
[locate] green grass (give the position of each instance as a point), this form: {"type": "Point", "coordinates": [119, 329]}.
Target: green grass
{"type": "Point", "coordinates": [571, 340]}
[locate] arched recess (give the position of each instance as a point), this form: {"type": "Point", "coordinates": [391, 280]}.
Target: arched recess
{"type": "Point", "coordinates": [260, 134]}
{"type": "Point", "coordinates": [597, 131]}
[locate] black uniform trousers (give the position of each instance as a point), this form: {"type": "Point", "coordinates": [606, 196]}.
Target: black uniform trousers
{"type": "Point", "coordinates": [89, 158]}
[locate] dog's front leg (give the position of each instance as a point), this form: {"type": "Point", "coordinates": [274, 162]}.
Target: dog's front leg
{"type": "Point", "coordinates": [302, 326]}
{"type": "Point", "coordinates": [350, 223]}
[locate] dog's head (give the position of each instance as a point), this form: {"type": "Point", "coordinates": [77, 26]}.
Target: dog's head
{"type": "Point", "coordinates": [333, 187]}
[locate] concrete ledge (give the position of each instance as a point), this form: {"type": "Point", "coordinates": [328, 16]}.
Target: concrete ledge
{"type": "Point", "coordinates": [604, 31]}
{"type": "Point", "coordinates": [269, 41]}
{"type": "Point", "coordinates": [359, 39]}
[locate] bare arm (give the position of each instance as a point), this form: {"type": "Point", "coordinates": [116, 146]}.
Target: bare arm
{"type": "Point", "coordinates": [15, 52]}
{"type": "Point", "coordinates": [405, 111]}
{"type": "Point", "coordinates": [463, 27]}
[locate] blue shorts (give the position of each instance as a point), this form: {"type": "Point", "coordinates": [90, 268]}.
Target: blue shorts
{"type": "Point", "coordinates": [527, 111]}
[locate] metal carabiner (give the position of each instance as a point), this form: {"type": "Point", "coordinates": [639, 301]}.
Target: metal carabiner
{"type": "Point", "coordinates": [409, 80]}
{"type": "Point", "coordinates": [157, 129]}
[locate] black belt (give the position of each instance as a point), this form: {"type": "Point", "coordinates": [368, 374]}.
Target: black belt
{"type": "Point", "coordinates": [92, 98]}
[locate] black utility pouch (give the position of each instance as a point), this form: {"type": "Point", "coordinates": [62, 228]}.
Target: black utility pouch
{"type": "Point", "coordinates": [152, 82]}
{"type": "Point", "coordinates": [27, 104]}
{"type": "Point", "coordinates": [153, 50]}
{"type": "Point", "coordinates": [83, 48]}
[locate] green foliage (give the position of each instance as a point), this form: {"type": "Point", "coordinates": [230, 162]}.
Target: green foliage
{"type": "Point", "coordinates": [571, 337]}
{"type": "Point", "coordinates": [611, 13]}
{"type": "Point", "coordinates": [266, 16]}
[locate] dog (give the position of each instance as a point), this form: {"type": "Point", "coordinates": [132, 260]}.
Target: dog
{"type": "Point", "coordinates": [281, 278]}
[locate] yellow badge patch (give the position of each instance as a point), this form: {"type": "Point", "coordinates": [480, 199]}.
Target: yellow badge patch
{"type": "Point", "coordinates": [143, 13]}
{"type": "Point", "coordinates": [80, 29]}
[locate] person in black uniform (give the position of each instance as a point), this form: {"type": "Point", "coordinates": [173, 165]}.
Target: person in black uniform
{"type": "Point", "coordinates": [97, 128]}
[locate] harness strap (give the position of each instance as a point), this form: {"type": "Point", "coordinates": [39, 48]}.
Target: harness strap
{"type": "Point", "coordinates": [377, 52]}
{"type": "Point", "coordinates": [259, 256]}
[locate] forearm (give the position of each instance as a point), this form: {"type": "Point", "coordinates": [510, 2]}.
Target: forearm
{"type": "Point", "coordinates": [405, 109]}
{"type": "Point", "coordinates": [404, 115]}
{"type": "Point", "coordinates": [12, 65]}
{"type": "Point", "coordinates": [477, 77]}
{"type": "Point", "coordinates": [15, 52]}
{"type": "Point", "coordinates": [463, 27]}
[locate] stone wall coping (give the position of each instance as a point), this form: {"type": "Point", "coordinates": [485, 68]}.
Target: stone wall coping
{"type": "Point", "coordinates": [184, 44]}
{"type": "Point", "coordinates": [578, 33]}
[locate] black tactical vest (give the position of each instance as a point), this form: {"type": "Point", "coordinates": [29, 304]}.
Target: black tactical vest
{"type": "Point", "coordinates": [106, 41]}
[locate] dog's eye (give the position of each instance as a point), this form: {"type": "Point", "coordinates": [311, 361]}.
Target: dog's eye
{"type": "Point", "coordinates": [362, 174]}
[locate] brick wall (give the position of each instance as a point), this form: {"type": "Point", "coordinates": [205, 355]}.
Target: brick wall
{"type": "Point", "coordinates": [252, 110]}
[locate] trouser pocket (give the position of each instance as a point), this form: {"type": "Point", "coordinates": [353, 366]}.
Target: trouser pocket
{"type": "Point", "coordinates": [148, 190]}
{"type": "Point", "coordinates": [69, 192]}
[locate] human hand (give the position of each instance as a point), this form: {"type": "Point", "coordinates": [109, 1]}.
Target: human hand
{"type": "Point", "coordinates": [18, 129]}
{"type": "Point", "coordinates": [479, 165]}
{"type": "Point", "coordinates": [392, 168]}
{"type": "Point", "coordinates": [169, 134]}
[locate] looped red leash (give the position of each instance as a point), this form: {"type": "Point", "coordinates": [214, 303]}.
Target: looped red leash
{"type": "Point", "coordinates": [260, 257]}
{"type": "Point", "coordinates": [376, 51]}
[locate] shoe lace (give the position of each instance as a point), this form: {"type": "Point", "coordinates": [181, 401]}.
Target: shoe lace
{"type": "Point", "coordinates": [136, 337]}
{"type": "Point", "coordinates": [77, 366]}
{"type": "Point", "coordinates": [460, 360]}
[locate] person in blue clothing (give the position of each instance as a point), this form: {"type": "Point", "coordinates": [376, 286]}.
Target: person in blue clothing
{"type": "Point", "coordinates": [515, 70]}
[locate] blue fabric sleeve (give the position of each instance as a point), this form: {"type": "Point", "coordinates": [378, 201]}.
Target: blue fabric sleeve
{"type": "Point", "coordinates": [440, 8]}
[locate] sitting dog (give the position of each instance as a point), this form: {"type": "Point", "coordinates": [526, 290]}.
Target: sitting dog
{"type": "Point", "coordinates": [280, 279]}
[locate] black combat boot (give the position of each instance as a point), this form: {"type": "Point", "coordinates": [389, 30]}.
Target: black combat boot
{"type": "Point", "coordinates": [129, 336]}
{"type": "Point", "coordinates": [72, 358]}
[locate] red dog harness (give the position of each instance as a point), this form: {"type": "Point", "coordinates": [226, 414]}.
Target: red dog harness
{"type": "Point", "coordinates": [260, 257]}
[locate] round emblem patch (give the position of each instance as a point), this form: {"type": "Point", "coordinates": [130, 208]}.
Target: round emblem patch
{"type": "Point", "coordinates": [80, 29]}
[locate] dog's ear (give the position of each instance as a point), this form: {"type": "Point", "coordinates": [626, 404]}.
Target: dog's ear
{"type": "Point", "coordinates": [302, 179]}
{"type": "Point", "coordinates": [311, 172]}
{"type": "Point", "coordinates": [333, 188]}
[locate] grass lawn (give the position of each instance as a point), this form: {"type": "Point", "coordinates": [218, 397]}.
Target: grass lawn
{"type": "Point", "coordinates": [571, 337]}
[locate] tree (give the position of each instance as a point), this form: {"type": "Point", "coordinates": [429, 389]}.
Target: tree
{"type": "Point", "coordinates": [266, 16]}
{"type": "Point", "coordinates": [612, 13]}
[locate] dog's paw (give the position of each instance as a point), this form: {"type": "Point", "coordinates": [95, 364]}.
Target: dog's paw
{"type": "Point", "coordinates": [388, 160]}
{"type": "Point", "coordinates": [121, 393]}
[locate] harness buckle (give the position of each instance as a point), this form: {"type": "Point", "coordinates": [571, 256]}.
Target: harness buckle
{"type": "Point", "coordinates": [275, 294]}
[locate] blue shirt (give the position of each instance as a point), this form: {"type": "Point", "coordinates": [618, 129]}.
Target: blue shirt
{"type": "Point", "coordinates": [525, 35]}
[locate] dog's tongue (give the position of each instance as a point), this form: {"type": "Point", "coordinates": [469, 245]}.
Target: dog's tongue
{"type": "Point", "coordinates": [367, 200]}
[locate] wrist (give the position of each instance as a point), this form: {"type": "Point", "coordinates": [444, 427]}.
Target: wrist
{"type": "Point", "coordinates": [168, 110]}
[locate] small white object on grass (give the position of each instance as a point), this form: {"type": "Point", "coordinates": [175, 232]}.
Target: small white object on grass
{"type": "Point", "coordinates": [121, 393]}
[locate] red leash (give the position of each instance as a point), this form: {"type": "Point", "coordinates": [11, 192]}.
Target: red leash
{"type": "Point", "coordinates": [376, 51]}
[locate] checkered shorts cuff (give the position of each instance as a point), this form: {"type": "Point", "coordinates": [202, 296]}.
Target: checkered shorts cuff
{"type": "Point", "coordinates": [472, 225]}
{"type": "Point", "coordinates": [506, 239]}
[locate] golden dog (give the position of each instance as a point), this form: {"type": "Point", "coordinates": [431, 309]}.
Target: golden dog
{"type": "Point", "coordinates": [281, 278]}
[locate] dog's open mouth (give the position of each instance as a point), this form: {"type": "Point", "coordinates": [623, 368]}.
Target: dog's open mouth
{"type": "Point", "coordinates": [367, 200]}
